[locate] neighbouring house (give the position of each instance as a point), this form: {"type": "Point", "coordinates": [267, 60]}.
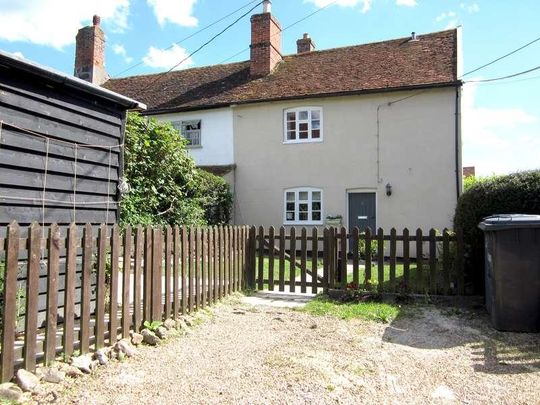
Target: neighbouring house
{"type": "Point", "coordinates": [366, 135]}
{"type": "Point", "coordinates": [468, 171]}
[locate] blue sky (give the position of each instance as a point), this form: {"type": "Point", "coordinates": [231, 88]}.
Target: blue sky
{"type": "Point", "coordinates": [501, 119]}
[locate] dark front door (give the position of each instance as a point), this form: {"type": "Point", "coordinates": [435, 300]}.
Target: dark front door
{"type": "Point", "coordinates": [362, 211]}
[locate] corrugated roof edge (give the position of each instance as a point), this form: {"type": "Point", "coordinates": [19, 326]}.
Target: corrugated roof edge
{"type": "Point", "coordinates": [70, 81]}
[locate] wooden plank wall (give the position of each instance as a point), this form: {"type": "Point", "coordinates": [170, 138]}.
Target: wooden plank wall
{"type": "Point", "coordinates": [46, 130]}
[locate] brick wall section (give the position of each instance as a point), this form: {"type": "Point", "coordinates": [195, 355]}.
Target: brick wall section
{"type": "Point", "coordinates": [90, 54]}
{"type": "Point", "coordinates": [265, 44]}
{"type": "Point", "coordinates": [305, 44]}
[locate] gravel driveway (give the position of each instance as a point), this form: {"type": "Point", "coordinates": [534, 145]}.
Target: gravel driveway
{"type": "Point", "coordinates": [277, 355]}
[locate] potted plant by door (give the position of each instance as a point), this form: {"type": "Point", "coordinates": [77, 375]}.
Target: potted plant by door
{"type": "Point", "coordinates": [334, 220]}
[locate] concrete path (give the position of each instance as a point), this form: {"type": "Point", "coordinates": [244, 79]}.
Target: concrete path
{"type": "Point", "coordinates": [278, 299]}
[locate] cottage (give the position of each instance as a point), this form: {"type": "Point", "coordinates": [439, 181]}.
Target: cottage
{"type": "Point", "coordinates": [366, 135]}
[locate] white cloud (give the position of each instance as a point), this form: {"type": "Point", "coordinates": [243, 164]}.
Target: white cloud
{"type": "Point", "coordinates": [498, 140]}
{"type": "Point", "coordinates": [167, 58]}
{"type": "Point", "coordinates": [55, 23]}
{"type": "Point", "coordinates": [366, 4]}
{"type": "Point", "coordinates": [18, 54]}
{"type": "Point", "coordinates": [174, 11]}
{"type": "Point", "coordinates": [408, 3]}
{"type": "Point", "coordinates": [119, 49]}
{"type": "Point", "coordinates": [470, 8]}
{"type": "Point", "coordinates": [444, 16]}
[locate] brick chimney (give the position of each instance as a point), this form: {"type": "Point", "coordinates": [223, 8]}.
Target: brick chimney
{"type": "Point", "coordinates": [265, 42]}
{"type": "Point", "coordinates": [90, 54]}
{"type": "Point", "coordinates": [305, 44]}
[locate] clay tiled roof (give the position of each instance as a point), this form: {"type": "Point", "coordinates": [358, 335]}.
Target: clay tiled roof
{"type": "Point", "coordinates": [381, 66]}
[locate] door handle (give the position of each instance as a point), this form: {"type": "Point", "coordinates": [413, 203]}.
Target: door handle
{"type": "Point", "coordinates": [362, 217]}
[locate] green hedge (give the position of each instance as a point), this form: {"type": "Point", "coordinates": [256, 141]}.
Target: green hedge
{"type": "Point", "coordinates": [215, 198]}
{"type": "Point", "coordinates": [517, 193]}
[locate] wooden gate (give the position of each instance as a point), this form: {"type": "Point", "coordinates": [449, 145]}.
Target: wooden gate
{"type": "Point", "coordinates": [313, 261]}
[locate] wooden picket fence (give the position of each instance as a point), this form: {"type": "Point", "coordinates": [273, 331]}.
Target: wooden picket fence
{"type": "Point", "coordinates": [408, 263]}
{"type": "Point", "coordinates": [94, 285]}
{"type": "Point", "coordinates": [140, 274]}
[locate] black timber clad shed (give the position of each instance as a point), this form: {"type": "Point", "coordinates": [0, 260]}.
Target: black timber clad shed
{"type": "Point", "coordinates": [60, 146]}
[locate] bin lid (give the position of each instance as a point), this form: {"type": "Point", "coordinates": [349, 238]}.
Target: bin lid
{"type": "Point", "coordinates": [509, 221]}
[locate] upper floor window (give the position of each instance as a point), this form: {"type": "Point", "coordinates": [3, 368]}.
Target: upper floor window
{"type": "Point", "coordinates": [303, 206]}
{"type": "Point", "coordinates": [303, 125]}
{"type": "Point", "coordinates": [191, 130]}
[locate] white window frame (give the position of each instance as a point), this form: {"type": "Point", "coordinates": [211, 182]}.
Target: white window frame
{"type": "Point", "coordinates": [309, 139]}
{"type": "Point", "coordinates": [297, 202]}
{"type": "Point", "coordinates": [179, 125]}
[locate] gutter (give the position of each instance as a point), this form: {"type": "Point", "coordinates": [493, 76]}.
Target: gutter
{"type": "Point", "coordinates": [458, 143]}
{"type": "Point", "coordinates": [12, 62]}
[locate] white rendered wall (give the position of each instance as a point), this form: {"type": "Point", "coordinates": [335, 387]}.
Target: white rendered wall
{"type": "Point", "coordinates": [216, 135]}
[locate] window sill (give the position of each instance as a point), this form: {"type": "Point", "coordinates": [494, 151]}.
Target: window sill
{"type": "Point", "coordinates": [303, 141]}
{"type": "Point", "coordinates": [193, 146]}
{"type": "Point", "coordinates": [303, 223]}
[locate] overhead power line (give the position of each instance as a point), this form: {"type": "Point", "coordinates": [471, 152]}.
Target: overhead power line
{"type": "Point", "coordinates": [501, 57]}
{"type": "Point", "coordinates": [284, 29]}
{"type": "Point", "coordinates": [504, 77]}
{"type": "Point", "coordinates": [159, 75]}
{"type": "Point", "coordinates": [191, 35]}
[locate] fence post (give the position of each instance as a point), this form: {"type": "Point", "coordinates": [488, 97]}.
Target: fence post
{"type": "Point", "coordinates": [420, 279]}
{"type": "Point", "coordinates": [126, 318]}
{"type": "Point", "coordinates": [52, 293]}
{"type": "Point", "coordinates": [314, 260]}
{"type": "Point", "coordinates": [326, 264]}
{"type": "Point", "coordinates": [432, 261]}
{"type": "Point", "coordinates": [446, 262]}
{"type": "Point", "coordinates": [69, 296]}
{"type": "Point", "coordinates": [10, 302]}
{"type": "Point", "coordinates": [113, 304]}
{"type": "Point", "coordinates": [86, 293]}
{"type": "Point", "coordinates": [251, 258]}
{"type": "Point", "coordinates": [380, 260]}
{"type": "Point", "coordinates": [367, 257]}
{"type": "Point", "coordinates": [460, 251]}
{"type": "Point", "coordinates": [32, 286]}
{"type": "Point", "coordinates": [393, 260]}
{"type": "Point", "coordinates": [331, 256]}
{"type": "Point", "coordinates": [343, 258]}
{"type": "Point", "coordinates": [406, 261]}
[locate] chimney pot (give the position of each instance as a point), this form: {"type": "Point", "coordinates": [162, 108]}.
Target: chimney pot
{"type": "Point", "coordinates": [267, 6]}
{"type": "Point", "coordinates": [306, 35]}
{"type": "Point", "coordinates": [96, 20]}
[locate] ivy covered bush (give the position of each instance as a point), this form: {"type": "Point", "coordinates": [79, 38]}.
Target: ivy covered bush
{"type": "Point", "coordinates": [165, 186]}
{"type": "Point", "coordinates": [517, 193]}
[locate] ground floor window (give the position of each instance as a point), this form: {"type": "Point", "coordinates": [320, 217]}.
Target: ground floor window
{"type": "Point", "coordinates": [303, 206]}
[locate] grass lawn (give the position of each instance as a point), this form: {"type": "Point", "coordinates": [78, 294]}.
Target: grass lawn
{"type": "Point", "coordinates": [414, 276]}
{"type": "Point", "coordinates": [374, 311]}
{"type": "Point", "coordinates": [415, 279]}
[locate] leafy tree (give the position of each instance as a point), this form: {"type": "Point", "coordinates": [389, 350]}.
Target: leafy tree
{"type": "Point", "coordinates": [165, 185]}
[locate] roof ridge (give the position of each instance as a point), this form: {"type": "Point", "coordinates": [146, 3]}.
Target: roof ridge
{"type": "Point", "coordinates": [368, 43]}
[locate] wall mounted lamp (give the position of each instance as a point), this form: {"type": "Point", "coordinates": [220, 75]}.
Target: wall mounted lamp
{"type": "Point", "coordinates": [388, 189]}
